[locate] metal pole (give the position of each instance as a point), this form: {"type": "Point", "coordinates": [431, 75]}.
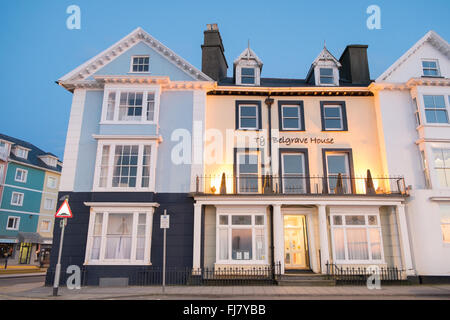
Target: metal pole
{"type": "Point", "coordinates": [58, 265]}
{"type": "Point", "coordinates": [164, 258]}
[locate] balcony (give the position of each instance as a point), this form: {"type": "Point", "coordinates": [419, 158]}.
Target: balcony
{"type": "Point", "coordinates": [300, 185]}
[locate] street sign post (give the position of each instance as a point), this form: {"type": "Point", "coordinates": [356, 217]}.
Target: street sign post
{"type": "Point", "coordinates": [165, 224]}
{"type": "Point", "coordinates": [63, 212]}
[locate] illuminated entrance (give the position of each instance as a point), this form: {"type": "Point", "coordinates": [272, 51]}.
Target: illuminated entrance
{"type": "Point", "coordinates": [295, 242]}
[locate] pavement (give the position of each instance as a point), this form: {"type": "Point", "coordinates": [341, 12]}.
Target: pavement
{"type": "Point", "coordinates": [21, 269]}
{"type": "Point", "coordinates": [36, 291]}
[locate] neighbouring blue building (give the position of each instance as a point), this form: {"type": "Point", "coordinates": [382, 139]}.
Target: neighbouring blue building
{"type": "Point", "coordinates": [137, 108]}
{"type": "Point", "coordinates": [29, 179]}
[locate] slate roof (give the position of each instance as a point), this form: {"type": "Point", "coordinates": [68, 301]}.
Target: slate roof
{"type": "Point", "coordinates": [280, 82]}
{"type": "Point", "coordinates": [33, 154]}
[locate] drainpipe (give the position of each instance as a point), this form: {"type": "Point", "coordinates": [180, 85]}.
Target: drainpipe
{"type": "Point", "coordinates": [269, 101]}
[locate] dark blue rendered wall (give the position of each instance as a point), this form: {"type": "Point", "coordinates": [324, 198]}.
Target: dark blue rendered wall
{"type": "Point", "coordinates": [179, 237]}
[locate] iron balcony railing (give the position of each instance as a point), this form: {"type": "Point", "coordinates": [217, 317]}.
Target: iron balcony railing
{"type": "Point", "coordinates": [361, 275]}
{"type": "Point", "coordinates": [300, 185]}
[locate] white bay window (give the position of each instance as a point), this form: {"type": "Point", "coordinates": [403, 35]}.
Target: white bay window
{"type": "Point", "coordinates": [125, 165]}
{"type": "Point", "coordinates": [130, 105]}
{"type": "Point", "coordinates": [356, 238]}
{"type": "Point", "coordinates": [119, 236]}
{"type": "Point", "coordinates": [241, 238]}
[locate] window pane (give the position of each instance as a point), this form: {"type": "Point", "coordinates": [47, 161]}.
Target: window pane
{"type": "Point", "coordinates": [333, 124]}
{"type": "Point", "coordinates": [428, 101]}
{"type": "Point", "coordinates": [223, 244]}
{"type": "Point", "coordinates": [337, 164]}
{"type": "Point", "coordinates": [248, 183]}
{"type": "Point", "coordinates": [332, 111]}
{"type": "Point", "coordinates": [248, 80]}
{"type": "Point", "coordinates": [241, 244]}
{"type": "Point", "coordinates": [248, 163]}
{"type": "Point", "coordinates": [337, 220]}
{"type": "Point", "coordinates": [339, 247]}
{"type": "Point", "coordinates": [259, 220]}
{"type": "Point", "coordinates": [375, 243]}
{"type": "Point", "coordinates": [355, 220]}
{"type": "Point", "coordinates": [326, 80]}
{"type": "Point", "coordinates": [357, 244]}
{"type": "Point", "coordinates": [290, 112]}
{"type": "Point", "coordinates": [248, 111]}
{"type": "Point", "coordinates": [373, 221]}
{"type": "Point", "coordinates": [248, 123]}
{"type": "Point", "coordinates": [441, 116]}
{"type": "Point", "coordinates": [260, 244]}
{"type": "Point", "coordinates": [248, 71]}
{"type": "Point", "coordinates": [241, 220]}
{"type": "Point", "coordinates": [430, 115]}
{"type": "Point", "coordinates": [293, 163]}
{"type": "Point", "coordinates": [223, 220]}
{"type": "Point", "coordinates": [326, 71]}
{"type": "Point", "coordinates": [291, 123]}
{"type": "Point", "coordinates": [445, 222]}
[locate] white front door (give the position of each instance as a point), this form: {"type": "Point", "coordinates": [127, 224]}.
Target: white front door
{"type": "Point", "coordinates": [295, 242]}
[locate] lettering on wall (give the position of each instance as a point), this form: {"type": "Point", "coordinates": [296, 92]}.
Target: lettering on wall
{"type": "Point", "coordinates": [261, 141]}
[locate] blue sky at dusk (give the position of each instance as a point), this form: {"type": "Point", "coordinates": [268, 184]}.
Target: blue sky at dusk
{"type": "Point", "coordinates": [37, 48]}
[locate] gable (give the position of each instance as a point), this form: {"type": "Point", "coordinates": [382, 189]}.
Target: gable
{"type": "Point", "coordinates": [409, 65]}
{"type": "Point", "coordinates": [166, 62]}
{"type": "Point", "coordinates": [158, 65]}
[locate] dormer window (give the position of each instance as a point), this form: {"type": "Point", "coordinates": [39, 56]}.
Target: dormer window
{"type": "Point", "coordinates": [140, 64]}
{"type": "Point", "coordinates": [326, 76]}
{"type": "Point", "coordinates": [248, 75]}
{"type": "Point", "coordinates": [247, 68]}
{"type": "Point", "coordinates": [430, 68]}
{"type": "Point", "coordinates": [49, 160]}
{"type": "Point", "coordinates": [21, 153]}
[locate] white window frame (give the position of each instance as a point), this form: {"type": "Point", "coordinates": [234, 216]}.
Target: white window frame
{"type": "Point", "coordinates": [341, 117]}
{"type": "Point", "coordinates": [53, 203]}
{"type": "Point", "coordinates": [118, 89]}
{"type": "Point", "coordinates": [346, 177]}
{"type": "Point", "coordinates": [326, 76]}
{"type": "Point", "coordinates": [21, 152]}
{"type": "Point", "coordinates": [229, 227]}
{"type": "Point", "coordinates": [49, 185]}
{"type": "Point", "coordinates": [24, 175]}
{"type": "Point", "coordinates": [49, 225]}
{"type": "Point", "coordinates": [116, 210]}
{"type": "Point", "coordinates": [139, 56]}
{"type": "Point", "coordinates": [435, 171]}
{"type": "Point", "coordinates": [299, 117]}
{"type": "Point", "coordinates": [446, 109]}
{"type": "Point", "coordinates": [21, 198]}
{"type": "Point", "coordinates": [16, 223]}
{"type": "Point", "coordinates": [437, 67]}
{"type": "Point", "coordinates": [258, 175]}
{"type": "Point", "coordinates": [245, 76]}
{"type": "Point", "coordinates": [112, 146]}
{"type": "Point", "coordinates": [257, 116]}
{"type": "Point", "coordinates": [366, 226]}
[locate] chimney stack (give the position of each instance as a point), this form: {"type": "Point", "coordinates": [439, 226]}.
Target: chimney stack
{"type": "Point", "coordinates": [355, 65]}
{"type": "Point", "coordinates": [214, 63]}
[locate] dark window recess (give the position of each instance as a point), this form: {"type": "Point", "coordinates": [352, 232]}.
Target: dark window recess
{"type": "Point", "coordinates": [248, 75]}
{"type": "Point", "coordinates": [140, 64]}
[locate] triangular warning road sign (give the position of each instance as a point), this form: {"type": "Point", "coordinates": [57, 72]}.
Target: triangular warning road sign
{"type": "Point", "coordinates": [64, 211]}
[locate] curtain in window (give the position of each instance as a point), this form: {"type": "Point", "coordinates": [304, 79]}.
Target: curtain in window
{"type": "Point", "coordinates": [375, 243]}
{"type": "Point", "coordinates": [339, 246]}
{"type": "Point", "coordinates": [118, 239]}
{"type": "Point", "coordinates": [223, 244]}
{"type": "Point", "coordinates": [357, 244]}
{"type": "Point", "coordinates": [260, 248]}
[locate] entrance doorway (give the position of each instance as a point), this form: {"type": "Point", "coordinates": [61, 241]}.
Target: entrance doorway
{"type": "Point", "coordinates": [295, 242]}
{"type": "Point", "coordinates": [25, 253]}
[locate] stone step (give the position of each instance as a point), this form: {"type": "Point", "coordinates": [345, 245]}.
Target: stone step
{"type": "Point", "coordinates": [307, 283]}
{"type": "Point", "coordinates": [303, 277]}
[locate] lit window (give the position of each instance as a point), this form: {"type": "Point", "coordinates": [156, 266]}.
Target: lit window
{"type": "Point", "coordinates": [140, 64]}
{"type": "Point", "coordinates": [430, 68]}
{"type": "Point", "coordinates": [248, 75]}
{"type": "Point", "coordinates": [17, 199]}
{"type": "Point", "coordinates": [13, 223]}
{"type": "Point", "coordinates": [442, 166]}
{"type": "Point", "coordinates": [124, 166]}
{"type": "Point", "coordinates": [435, 109]}
{"type": "Point", "coordinates": [445, 222]}
{"type": "Point", "coordinates": [113, 238]}
{"type": "Point", "coordinates": [242, 238]}
{"type": "Point", "coordinates": [21, 175]}
{"type": "Point", "coordinates": [356, 238]}
{"type": "Point", "coordinates": [326, 76]}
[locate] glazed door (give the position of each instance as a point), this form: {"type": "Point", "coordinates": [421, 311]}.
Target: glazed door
{"type": "Point", "coordinates": [295, 242]}
{"type": "Point", "coordinates": [25, 253]}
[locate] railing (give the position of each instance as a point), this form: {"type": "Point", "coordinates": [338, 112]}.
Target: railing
{"type": "Point", "coordinates": [264, 275]}
{"type": "Point", "coordinates": [297, 184]}
{"type": "Point", "coordinates": [361, 275]}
